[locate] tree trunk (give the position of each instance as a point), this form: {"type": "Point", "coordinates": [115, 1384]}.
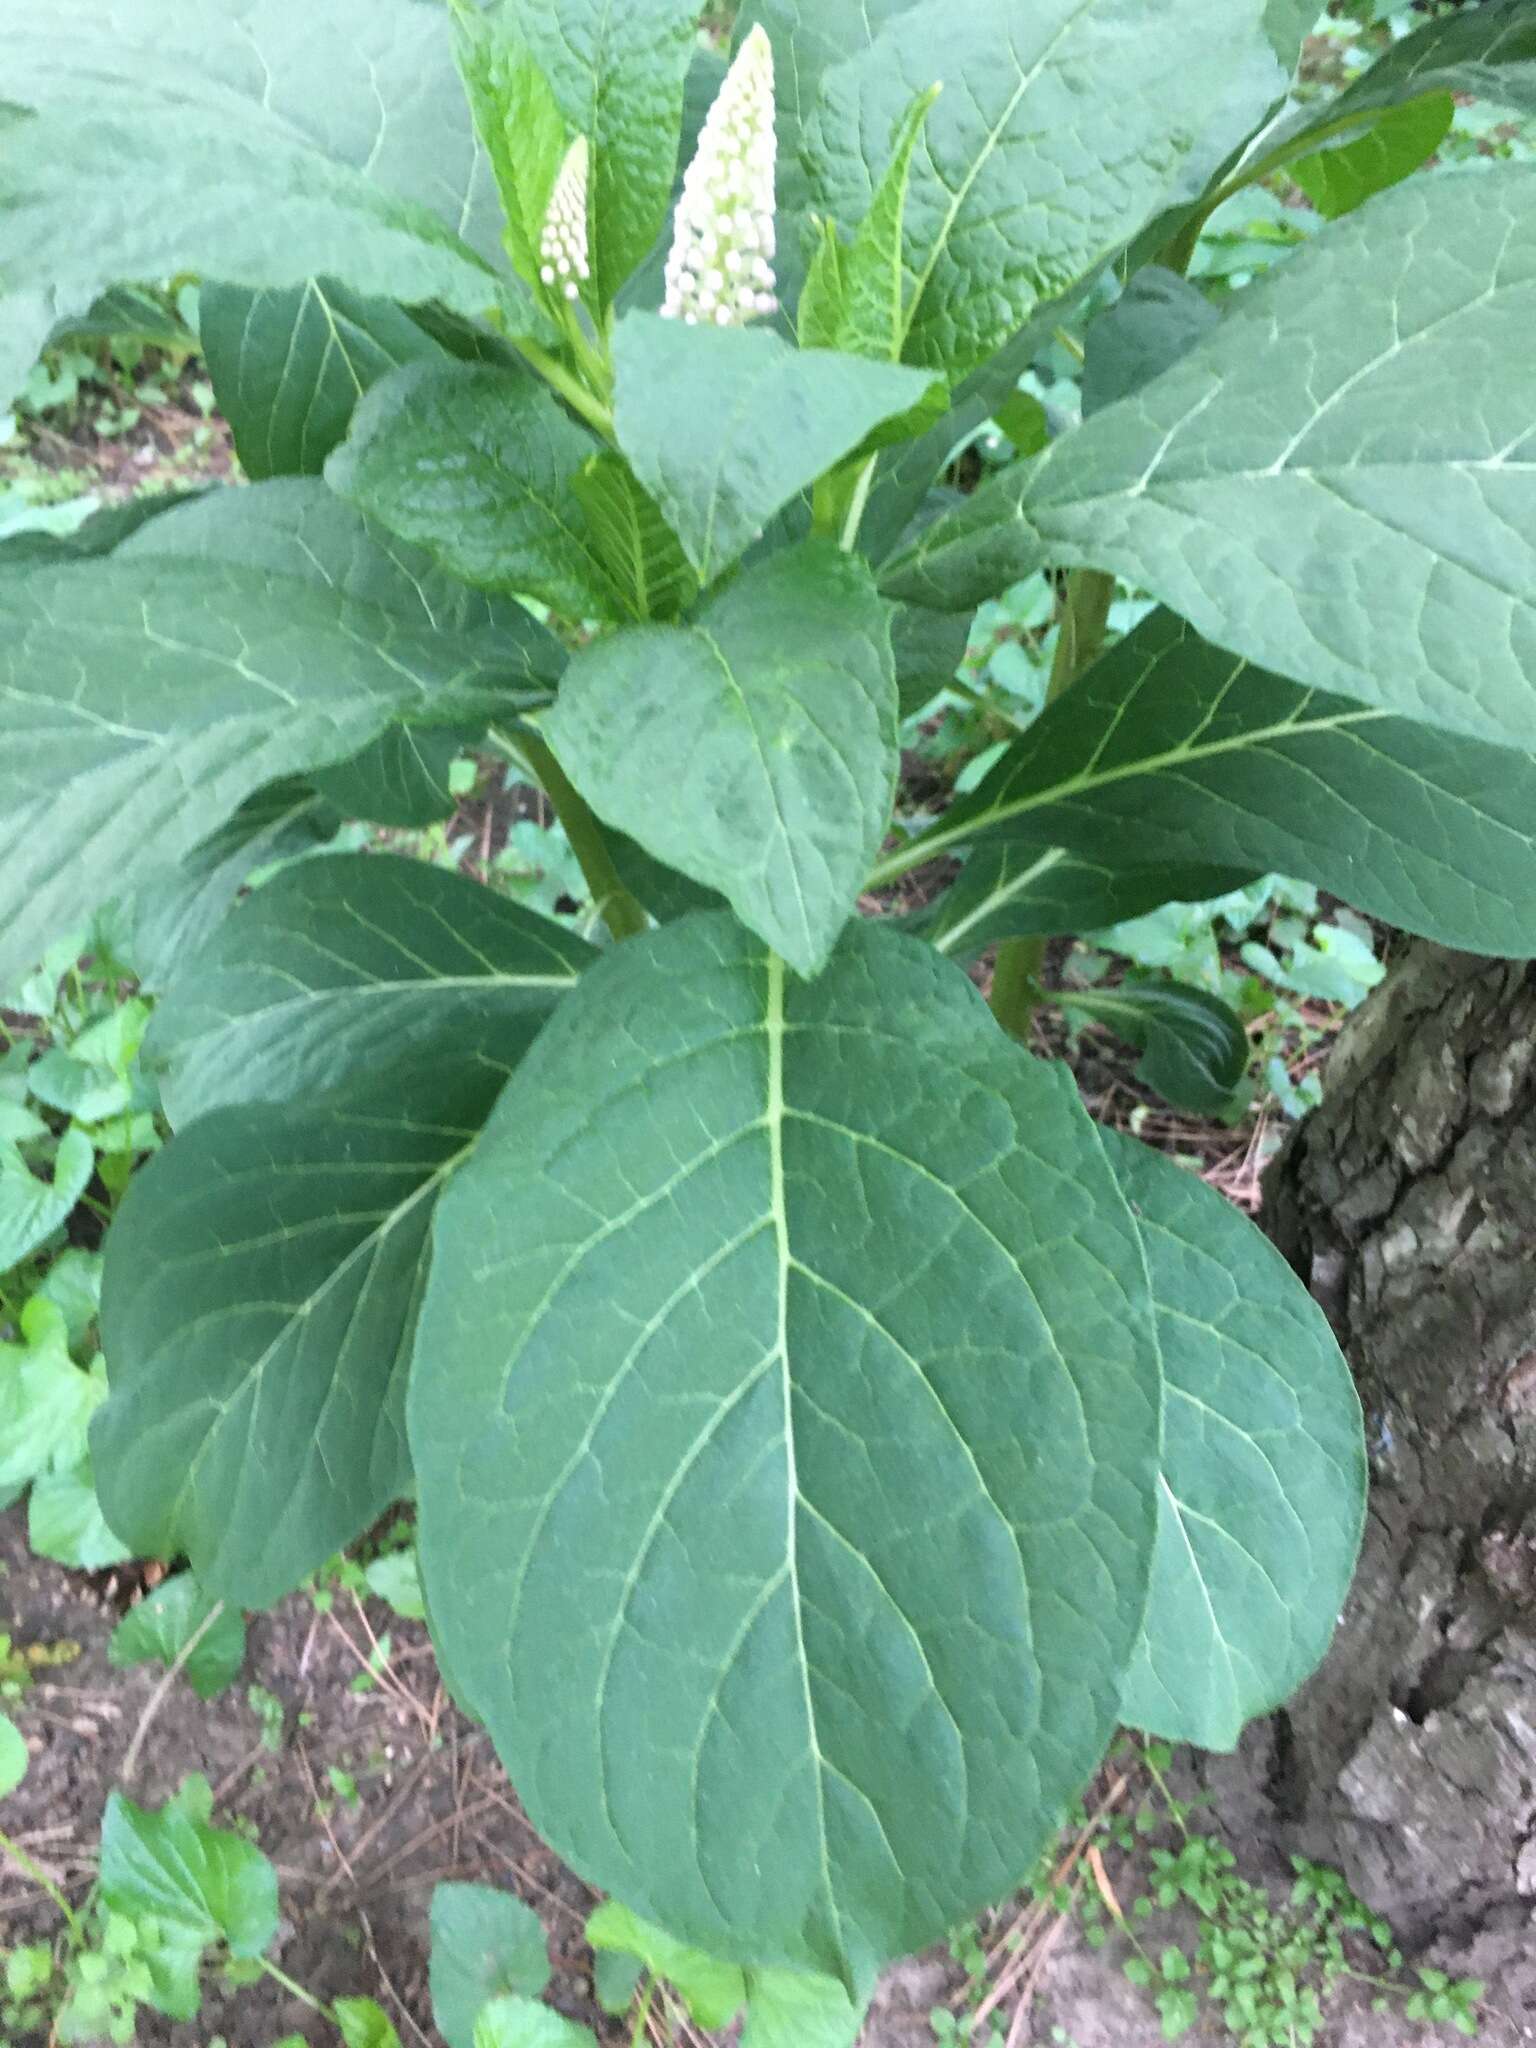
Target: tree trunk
{"type": "Point", "coordinates": [1408, 1202]}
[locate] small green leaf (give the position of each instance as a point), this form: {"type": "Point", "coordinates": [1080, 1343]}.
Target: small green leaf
{"type": "Point", "coordinates": [788, 2010]}
{"type": "Point", "coordinates": [363, 2023]}
{"type": "Point", "coordinates": [521, 2023]}
{"type": "Point", "coordinates": [13, 1766]}
{"type": "Point", "coordinates": [713, 1992]}
{"type": "Point", "coordinates": [395, 1578]}
{"type": "Point", "coordinates": [65, 1521]}
{"type": "Point", "coordinates": [643, 556]}
{"type": "Point", "coordinates": [521, 126]}
{"type": "Point", "coordinates": [1195, 1048]}
{"type": "Point", "coordinates": [873, 313]}
{"type": "Point", "coordinates": [616, 1978]}
{"type": "Point", "coordinates": [46, 1400]}
{"type": "Point", "coordinates": [475, 464]}
{"type": "Point", "coordinates": [1342, 176]}
{"type": "Point", "coordinates": [158, 1629]}
{"type": "Point", "coordinates": [725, 425]}
{"type": "Point", "coordinates": [771, 721]}
{"type": "Point", "coordinates": [31, 1208]}
{"type": "Point", "coordinates": [485, 1944]}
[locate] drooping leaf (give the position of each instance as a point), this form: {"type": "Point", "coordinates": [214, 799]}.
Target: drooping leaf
{"type": "Point", "coordinates": [401, 778]}
{"type": "Point", "coordinates": [13, 1756]}
{"type": "Point", "coordinates": [524, 2023]}
{"type": "Point", "coordinates": [228, 643]}
{"type": "Point", "coordinates": [1337, 179]}
{"type": "Point", "coordinates": [1059, 132]}
{"type": "Point", "coordinates": [288, 367]}
{"type": "Point", "coordinates": [724, 425]}
{"type": "Point", "coordinates": [475, 464]}
{"type": "Point", "coordinates": [704, 1250]}
{"type": "Point", "coordinates": [1194, 1047]}
{"type": "Point", "coordinates": [770, 723]}
{"type": "Point", "coordinates": [485, 1944]}
{"type": "Point", "coordinates": [1264, 1473]}
{"type": "Point", "coordinates": [201, 1884]}
{"type": "Point", "coordinates": [339, 968]}
{"type": "Point", "coordinates": [262, 145]}
{"type": "Point", "coordinates": [341, 1043]}
{"type": "Point", "coordinates": [1352, 508]}
{"type": "Point", "coordinates": [1157, 319]}
{"type": "Point", "coordinates": [617, 74]}
{"type": "Point", "coordinates": [1013, 889]}
{"type": "Point", "coordinates": [1170, 751]}
{"type": "Point", "coordinates": [159, 1628]}
{"type": "Point", "coordinates": [713, 1991]}
{"type": "Point", "coordinates": [642, 555]}
{"type": "Point", "coordinates": [32, 1207]}
{"type": "Point", "coordinates": [786, 2009]}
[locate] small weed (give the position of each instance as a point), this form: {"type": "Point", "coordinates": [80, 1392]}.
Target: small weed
{"type": "Point", "coordinates": [268, 1709]}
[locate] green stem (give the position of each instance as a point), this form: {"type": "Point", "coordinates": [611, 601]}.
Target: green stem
{"type": "Point", "coordinates": [570, 388]}
{"type": "Point", "coordinates": [613, 902]}
{"type": "Point", "coordinates": [1016, 977]}
{"type": "Point", "coordinates": [858, 504]}
{"type": "Point", "coordinates": [643, 2014]}
{"type": "Point", "coordinates": [295, 1990]}
{"type": "Point", "coordinates": [40, 1877]}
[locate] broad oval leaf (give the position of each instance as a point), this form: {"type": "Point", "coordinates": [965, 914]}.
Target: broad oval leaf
{"type": "Point", "coordinates": [201, 1884]}
{"type": "Point", "coordinates": [725, 425]}
{"type": "Point", "coordinates": [341, 967]}
{"type": "Point", "coordinates": [144, 696]}
{"type": "Point", "coordinates": [1060, 130]}
{"type": "Point", "coordinates": [264, 144]}
{"type": "Point", "coordinates": [485, 1944]}
{"type": "Point", "coordinates": [1325, 485]}
{"type": "Point", "coordinates": [1169, 751]}
{"type": "Point", "coordinates": [754, 749]}
{"type": "Point", "coordinates": [1339, 177]}
{"type": "Point", "coordinates": [793, 1308]}
{"type": "Point", "coordinates": [476, 464]}
{"type": "Point", "coordinates": [1262, 1500]}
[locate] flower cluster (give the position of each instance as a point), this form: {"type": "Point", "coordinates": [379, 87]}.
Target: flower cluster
{"type": "Point", "coordinates": [720, 270]}
{"type": "Point", "coordinates": [563, 259]}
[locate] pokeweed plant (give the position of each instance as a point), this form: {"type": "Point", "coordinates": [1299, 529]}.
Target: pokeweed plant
{"type": "Point", "coordinates": [823, 1435]}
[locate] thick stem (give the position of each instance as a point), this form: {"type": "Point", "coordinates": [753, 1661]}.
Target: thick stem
{"type": "Point", "coordinates": [612, 901]}
{"type": "Point", "coordinates": [40, 1877]}
{"type": "Point", "coordinates": [570, 388]}
{"type": "Point", "coordinates": [1016, 988]}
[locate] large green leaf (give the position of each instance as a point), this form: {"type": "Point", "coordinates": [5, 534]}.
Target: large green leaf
{"type": "Point", "coordinates": [1262, 1499]}
{"type": "Point", "coordinates": [230, 642]}
{"type": "Point", "coordinates": [1060, 130]}
{"type": "Point", "coordinates": [724, 425]}
{"type": "Point", "coordinates": [771, 724]}
{"type": "Point", "coordinates": [1340, 483]}
{"type": "Point", "coordinates": [1488, 51]}
{"type": "Point", "coordinates": [1170, 751]}
{"type": "Point", "coordinates": [288, 367]}
{"type": "Point", "coordinates": [342, 966]}
{"type": "Point", "coordinates": [250, 140]}
{"type": "Point", "coordinates": [348, 1031]}
{"type": "Point", "coordinates": [617, 73]}
{"type": "Point", "coordinates": [475, 464]}
{"type": "Point", "coordinates": [758, 1325]}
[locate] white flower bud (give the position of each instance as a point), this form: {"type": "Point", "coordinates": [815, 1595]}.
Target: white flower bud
{"type": "Point", "coordinates": [724, 226]}
{"type": "Point", "coordinates": [563, 253]}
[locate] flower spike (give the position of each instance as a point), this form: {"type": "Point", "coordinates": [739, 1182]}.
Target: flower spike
{"type": "Point", "coordinates": [720, 271]}
{"type": "Point", "coordinates": [564, 262]}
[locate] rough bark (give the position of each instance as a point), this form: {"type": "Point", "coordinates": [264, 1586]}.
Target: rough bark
{"type": "Point", "coordinates": [1409, 1204]}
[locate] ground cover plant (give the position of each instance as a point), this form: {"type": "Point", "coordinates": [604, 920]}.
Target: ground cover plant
{"type": "Point", "coordinates": [823, 1436]}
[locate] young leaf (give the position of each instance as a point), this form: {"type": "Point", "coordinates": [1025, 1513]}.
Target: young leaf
{"type": "Point", "coordinates": [363, 2023]}
{"type": "Point", "coordinates": [788, 2010]}
{"type": "Point", "coordinates": [13, 1756]}
{"type": "Point", "coordinates": [1264, 1474]}
{"type": "Point", "coordinates": [339, 967]}
{"type": "Point", "coordinates": [724, 425]}
{"type": "Point", "coordinates": [32, 1208]}
{"type": "Point", "coordinates": [1171, 752]}
{"type": "Point", "coordinates": [519, 122]}
{"type": "Point", "coordinates": [394, 1578]}
{"type": "Point", "coordinates": [642, 555]}
{"type": "Point", "coordinates": [617, 75]}
{"type": "Point", "coordinates": [1059, 132]}
{"type": "Point", "coordinates": [771, 720]}
{"type": "Point", "coordinates": [475, 464]}
{"type": "Point", "coordinates": [713, 1991]}
{"type": "Point", "coordinates": [1339, 177]}
{"type": "Point", "coordinates": [1195, 1048]}
{"type": "Point", "coordinates": [701, 1251]}
{"type": "Point", "coordinates": [523, 2023]}
{"type": "Point", "coordinates": [159, 1628]}
{"type": "Point", "coordinates": [201, 1884]}
{"type": "Point", "coordinates": [242, 636]}
{"type": "Point", "coordinates": [1355, 511]}
{"type": "Point", "coordinates": [485, 1944]}
{"type": "Point", "coordinates": [299, 143]}
{"type": "Point", "coordinates": [288, 367]}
